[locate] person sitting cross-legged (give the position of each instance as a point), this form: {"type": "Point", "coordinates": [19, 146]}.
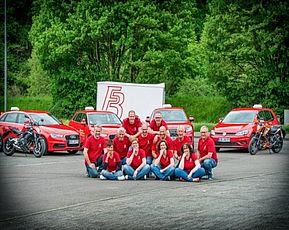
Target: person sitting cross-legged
{"type": "Point", "coordinates": [136, 166]}
{"type": "Point", "coordinates": [111, 164]}
{"type": "Point", "coordinates": [163, 166]}
{"type": "Point", "coordinates": [189, 168]}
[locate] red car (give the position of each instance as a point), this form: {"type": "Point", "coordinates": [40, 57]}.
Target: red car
{"type": "Point", "coordinates": [58, 137]}
{"type": "Point", "coordinates": [238, 126]}
{"type": "Point", "coordinates": [85, 120]}
{"type": "Point", "coordinates": [174, 117]}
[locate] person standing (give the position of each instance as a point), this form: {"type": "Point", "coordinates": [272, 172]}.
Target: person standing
{"type": "Point", "coordinates": [111, 164]}
{"type": "Point", "coordinates": [121, 144]}
{"type": "Point", "coordinates": [136, 167]}
{"type": "Point", "coordinates": [189, 168]}
{"type": "Point", "coordinates": [207, 152]}
{"type": "Point", "coordinates": [145, 140]}
{"type": "Point", "coordinates": [94, 148]}
{"type": "Point", "coordinates": [163, 166]}
{"type": "Point", "coordinates": [131, 124]}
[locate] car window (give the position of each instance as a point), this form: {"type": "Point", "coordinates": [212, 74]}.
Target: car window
{"type": "Point", "coordinates": [240, 117]}
{"type": "Point", "coordinates": [45, 119]}
{"type": "Point", "coordinates": [261, 116]}
{"type": "Point", "coordinates": [173, 115]}
{"type": "Point", "coordinates": [78, 117]}
{"type": "Point", "coordinates": [103, 118]}
{"type": "Point", "coordinates": [21, 118]}
{"type": "Point", "coordinates": [84, 116]}
{"type": "Point", "coordinates": [11, 117]}
{"type": "Point", "coordinates": [2, 118]}
{"type": "Point", "coordinates": [268, 115]}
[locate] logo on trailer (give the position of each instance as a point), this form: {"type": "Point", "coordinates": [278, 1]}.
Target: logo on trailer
{"type": "Point", "coordinates": [113, 100]}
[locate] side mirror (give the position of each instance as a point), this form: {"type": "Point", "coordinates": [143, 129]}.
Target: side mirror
{"type": "Point", "coordinates": [221, 119]}
{"type": "Point", "coordinates": [83, 122]}
{"type": "Point", "coordinates": [191, 118]}
{"type": "Point", "coordinates": [61, 121]}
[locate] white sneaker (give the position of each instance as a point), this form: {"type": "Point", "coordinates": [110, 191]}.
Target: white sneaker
{"type": "Point", "coordinates": [120, 178]}
{"type": "Point", "coordinates": [126, 177]}
{"type": "Point", "coordinates": [145, 177]}
{"type": "Point", "coordinates": [102, 177]}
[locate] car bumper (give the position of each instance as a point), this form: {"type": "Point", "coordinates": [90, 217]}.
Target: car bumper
{"type": "Point", "coordinates": [234, 142]}
{"type": "Point", "coordinates": [62, 145]}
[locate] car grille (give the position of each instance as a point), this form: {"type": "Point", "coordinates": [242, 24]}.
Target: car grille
{"type": "Point", "coordinates": [173, 133]}
{"type": "Point", "coordinates": [226, 143]}
{"type": "Point", "coordinates": [72, 140]}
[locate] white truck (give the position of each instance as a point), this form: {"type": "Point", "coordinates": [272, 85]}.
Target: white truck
{"type": "Point", "coordinates": [120, 98]}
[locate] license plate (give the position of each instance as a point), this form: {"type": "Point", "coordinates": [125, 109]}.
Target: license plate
{"type": "Point", "coordinates": [224, 139]}
{"type": "Point", "coordinates": [73, 142]}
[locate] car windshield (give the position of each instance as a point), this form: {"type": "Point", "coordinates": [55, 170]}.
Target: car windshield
{"type": "Point", "coordinates": [103, 118]}
{"type": "Point", "coordinates": [173, 115]}
{"type": "Point", "coordinates": [45, 119]}
{"type": "Point", "coordinates": [240, 117]}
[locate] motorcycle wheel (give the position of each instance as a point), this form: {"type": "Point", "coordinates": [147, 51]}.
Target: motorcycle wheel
{"type": "Point", "coordinates": [277, 147]}
{"type": "Point", "coordinates": [253, 148]}
{"type": "Point", "coordinates": [72, 151]}
{"type": "Point", "coordinates": [40, 147]}
{"type": "Point", "coordinates": [8, 147]}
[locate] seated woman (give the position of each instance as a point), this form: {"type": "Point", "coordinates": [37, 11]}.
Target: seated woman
{"type": "Point", "coordinates": [189, 168]}
{"type": "Point", "coordinates": [111, 164]}
{"type": "Point", "coordinates": [136, 166]}
{"type": "Point", "coordinates": [163, 166]}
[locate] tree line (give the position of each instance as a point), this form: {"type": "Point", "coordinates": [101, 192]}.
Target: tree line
{"type": "Point", "coordinates": [204, 48]}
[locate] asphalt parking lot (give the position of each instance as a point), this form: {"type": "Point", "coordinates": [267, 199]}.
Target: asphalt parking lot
{"type": "Point", "coordinates": [52, 192]}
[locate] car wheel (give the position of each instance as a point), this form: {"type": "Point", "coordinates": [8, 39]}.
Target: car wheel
{"type": "Point", "coordinates": [1, 143]}
{"type": "Point", "coordinates": [72, 151]}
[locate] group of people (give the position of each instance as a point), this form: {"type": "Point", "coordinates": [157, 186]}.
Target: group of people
{"type": "Point", "coordinates": [140, 149]}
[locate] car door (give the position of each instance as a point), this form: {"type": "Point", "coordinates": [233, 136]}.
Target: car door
{"type": "Point", "coordinates": [10, 120]}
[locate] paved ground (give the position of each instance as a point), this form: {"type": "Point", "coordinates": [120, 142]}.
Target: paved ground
{"type": "Point", "coordinates": [249, 192]}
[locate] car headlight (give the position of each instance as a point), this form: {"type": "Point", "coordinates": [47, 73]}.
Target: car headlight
{"type": "Point", "coordinates": [56, 135]}
{"type": "Point", "coordinates": [189, 129]}
{"type": "Point", "coordinates": [242, 133]}
{"type": "Point", "coordinates": [213, 132]}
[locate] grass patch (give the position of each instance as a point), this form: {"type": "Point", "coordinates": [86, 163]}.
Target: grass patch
{"type": "Point", "coordinates": [27, 103]}
{"type": "Point", "coordinates": [203, 109]}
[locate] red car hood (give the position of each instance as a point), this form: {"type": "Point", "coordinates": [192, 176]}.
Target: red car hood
{"type": "Point", "coordinates": [60, 129]}
{"type": "Point", "coordinates": [231, 128]}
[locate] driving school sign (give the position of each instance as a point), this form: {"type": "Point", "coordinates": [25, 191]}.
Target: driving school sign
{"type": "Point", "coordinates": [120, 98]}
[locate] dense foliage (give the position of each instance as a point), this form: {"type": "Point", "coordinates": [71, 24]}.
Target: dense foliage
{"type": "Point", "coordinates": [235, 52]}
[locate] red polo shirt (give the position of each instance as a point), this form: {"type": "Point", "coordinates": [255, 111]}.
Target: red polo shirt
{"type": "Point", "coordinates": [137, 160]}
{"type": "Point", "coordinates": [165, 160]}
{"type": "Point", "coordinates": [112, 161]}
{"type": "Point", "coordinates": [145, 143]}
{"type": "Point", "coordinates": [95, 147]}
{"type": "Point", "coordinates": [189, 164]}
{"type": "Point", "coordinates": [121, 147]}
{"type": "Point", "coordinates": [131, 129]}
{"type": "Point", "coordinates": [168, 140]}
{"type": "Point", "coordinates": [179, 143]}
{"type": "Point", "coordinates": [207, 145]}
{"type": "Point", "coordinates": [155, 127]}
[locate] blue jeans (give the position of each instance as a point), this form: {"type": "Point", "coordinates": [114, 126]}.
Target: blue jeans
{"type": "Point", "coordinates": [110, 175]}
{"type": "Point", "coordinates": [123, 161]}
{"type": "Point", "coordinates": [95, 172]}
{"type": "Point", "coordinates": [128, 170]}
{"type": "Point", "coordinates": [208, 164]}
{"type": "Point", "coordinates": [162, 176]}
{"type": "Point", "coordinates": [184, 175]}
{"type": "Point", "coordinates": [149, 160]}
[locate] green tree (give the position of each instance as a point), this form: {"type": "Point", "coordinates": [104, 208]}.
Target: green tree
{"type": "Point", "coordinates": [82, 42]}
{"type": "Point", "coordinates": [246, 45]}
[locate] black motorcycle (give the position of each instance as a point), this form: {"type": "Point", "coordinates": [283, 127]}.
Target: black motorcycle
{"type": "Point", "coordinates": [266, 137]}
{"type": "Point", "coordinates": [25, 141]}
